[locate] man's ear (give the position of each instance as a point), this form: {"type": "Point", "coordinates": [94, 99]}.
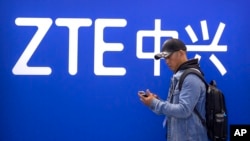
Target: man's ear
{"type": "Point", "coordinates": [182, 52]}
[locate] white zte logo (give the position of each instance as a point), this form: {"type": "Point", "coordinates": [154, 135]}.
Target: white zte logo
{"type": "Point", "coordinates": [100, 46]}
{"type": "Point", "coordinates": [213, 47]}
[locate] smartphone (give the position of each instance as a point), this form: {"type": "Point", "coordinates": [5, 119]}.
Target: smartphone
{"type": "Point", "coordinates": [143, 93]}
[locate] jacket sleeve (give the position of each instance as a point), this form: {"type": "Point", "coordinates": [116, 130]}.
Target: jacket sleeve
{"type": "Point", "coordinates": [186, 101]}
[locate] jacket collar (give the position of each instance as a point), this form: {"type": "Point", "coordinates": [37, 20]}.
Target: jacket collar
{"type": "Point", "coordinates": [192, 63]}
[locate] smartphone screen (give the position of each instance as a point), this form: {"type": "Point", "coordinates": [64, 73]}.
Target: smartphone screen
{"type": "Point", "coordinates": [143, 93]}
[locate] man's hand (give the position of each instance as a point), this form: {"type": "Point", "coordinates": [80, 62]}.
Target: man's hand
{"type": "Point", "coordinates": [147, 100]}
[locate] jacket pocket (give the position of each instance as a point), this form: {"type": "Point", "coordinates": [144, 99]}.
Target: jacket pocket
{"type": "Point", "coordinates": [176, 95]}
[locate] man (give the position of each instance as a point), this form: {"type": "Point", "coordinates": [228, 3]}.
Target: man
{"type": "Point", "coordinates": [183, 124]}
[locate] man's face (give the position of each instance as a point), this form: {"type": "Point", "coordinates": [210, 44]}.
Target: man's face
{"type": "Point", "coordinates": [173, 61]}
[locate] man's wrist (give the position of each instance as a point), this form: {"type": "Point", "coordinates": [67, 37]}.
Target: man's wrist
{"type": "Point", "coordinates": [154, 103]}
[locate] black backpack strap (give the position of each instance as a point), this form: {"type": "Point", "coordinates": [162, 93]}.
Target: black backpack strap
{"type": "Point", "coordinates": [190, 71]}
{"type": "Point", "coordinates": [183, 76]}
{"type": "Point", "coordinates": [199, 115]}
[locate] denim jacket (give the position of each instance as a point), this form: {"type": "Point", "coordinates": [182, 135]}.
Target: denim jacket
{"type": "Point", "coordinates": [182, 122]}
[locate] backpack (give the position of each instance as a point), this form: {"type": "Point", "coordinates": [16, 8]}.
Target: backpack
{"type": "Point", "coordinates": [216, 113]}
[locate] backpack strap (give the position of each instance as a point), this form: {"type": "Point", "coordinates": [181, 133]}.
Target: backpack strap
{"type": "Point", "coordinates": [182, 77]}
{"type": "Point", "coordinates": [190, 71]}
